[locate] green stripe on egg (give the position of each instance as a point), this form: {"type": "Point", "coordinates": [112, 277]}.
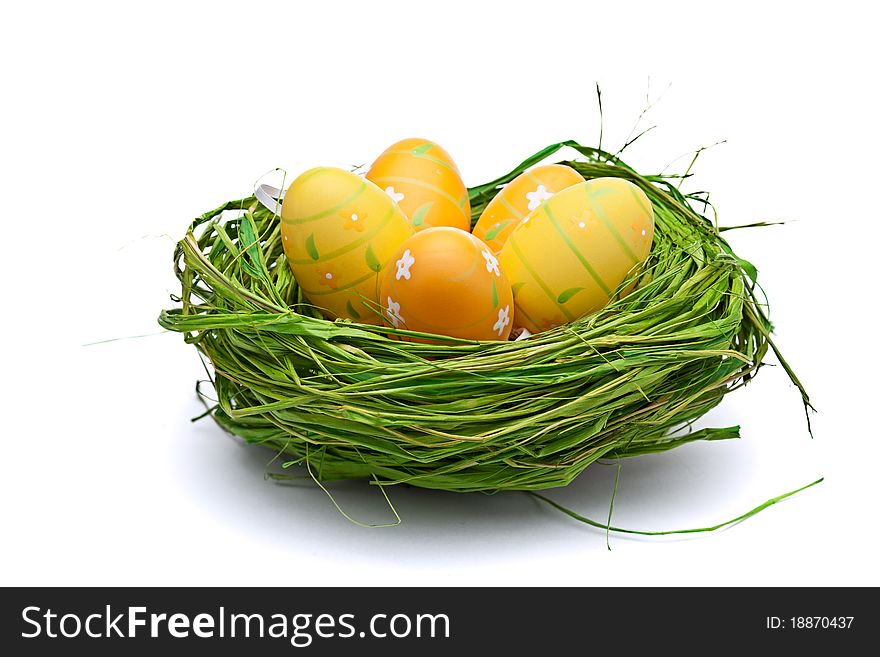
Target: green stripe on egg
{"type": "Point", "coordinates": [330, 211]}
{"type": "Point", "coordinates": [516, 213]}
{"type": "Point", "coordinates": [609, 225]}
{"type": "Point", "coordinates": [341, 288]}
{"type": "Point", "coordinates": [537, 278]}
{"type": "Point", "coordinates": [367, 237]}
{"type": "Point", "coordinates": [574, 249]}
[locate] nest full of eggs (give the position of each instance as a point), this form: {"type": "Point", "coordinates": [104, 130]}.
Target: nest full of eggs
{"type": "Point", "coordinates": [354, 401]}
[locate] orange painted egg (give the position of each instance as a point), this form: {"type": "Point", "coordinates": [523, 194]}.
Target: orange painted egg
{"type": "Point", "coordinates": [569, 256]}
{"type": "Point", "coordinates": [444, 280]}
{"type": "Point", "coordinates": [519, 197]}
{"type": "Point", "coordinates": [424, 181]}
{"type": "Point", "coordinates": [338, 232]}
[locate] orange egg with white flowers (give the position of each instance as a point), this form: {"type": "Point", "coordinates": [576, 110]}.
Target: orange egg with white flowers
{"type": "Point", "coordinates": [424, 181]}
{"type": "Point", "coordinates": [446, 281]}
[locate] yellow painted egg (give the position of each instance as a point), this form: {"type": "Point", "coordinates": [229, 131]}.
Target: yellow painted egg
{"type": "Point", "coordinates": [519, 197]}
{"type": "Point", "coordinates": [444, 280]}
{"type": "Point", "coordinates": [569, 255]}
{"type": "Point", "coordinates": [338, 232]}
{"type": "Point", "coordinates": [424, 181]}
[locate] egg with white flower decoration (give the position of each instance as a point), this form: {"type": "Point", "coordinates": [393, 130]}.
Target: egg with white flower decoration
{"type": "Point", "coordinates": [338, 232]}
{"type": "Point", "coordinates": [569, 256]}
{"type": "Point", "coordinates": [519, 197]}
{"type": "Point", "coordinates": [422, 179]}
{"type": "Point", "coordinates": [446, 281]}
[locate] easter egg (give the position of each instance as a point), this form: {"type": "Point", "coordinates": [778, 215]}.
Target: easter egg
{"type": "Point", "coordinates": [444, 280]}
{"type": "Point", "coordinates": [338, 232]}
{"type": "Point", "coordinates": [424, 181]}
{"type": "Point", "coordinates": [569, 255]}
{"type": "Point", "coordinates": [519, 197]}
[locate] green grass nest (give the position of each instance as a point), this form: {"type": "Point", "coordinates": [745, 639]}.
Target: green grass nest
{"type": "Point", "coordinates": [351, 402]}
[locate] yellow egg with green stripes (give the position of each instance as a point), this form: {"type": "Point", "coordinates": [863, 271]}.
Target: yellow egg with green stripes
{"type": "Point", "coordinates": [519, 197]}
{"type": "Point", "coordinates": [424, 181]}
{"type": "Point", "coordinates": [339, 232]}
{"type": "Point", "coordinates": [568, 257]}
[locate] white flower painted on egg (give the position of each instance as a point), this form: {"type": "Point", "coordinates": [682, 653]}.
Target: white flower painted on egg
{"type": "Point", "coordinates": [393, 313]}
{"type": "Point", "coordinates": [491, 262]}
{"type": "Point", "coordinates": [503, 320]}
{"type": "Point", "coordinates": [397, 197]}
{"type": "Point", "coordinates": [406, 261]}
{"type": "Point", "coordinates": [537, 197]}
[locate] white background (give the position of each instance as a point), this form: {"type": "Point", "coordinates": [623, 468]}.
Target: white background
{"type": "Point", "coordinates": [119, 125]}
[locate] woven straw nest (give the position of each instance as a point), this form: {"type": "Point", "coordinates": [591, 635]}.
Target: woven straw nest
{"type": "Point", "coordinates": [354, 401]}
